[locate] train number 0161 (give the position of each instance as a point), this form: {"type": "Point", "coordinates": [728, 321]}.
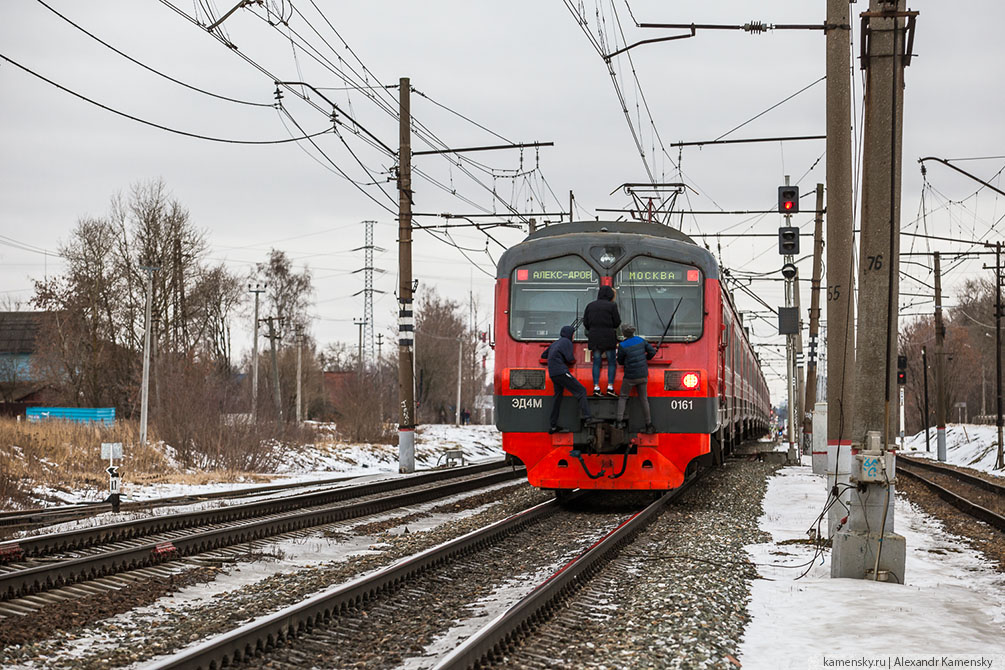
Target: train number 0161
{"type": "Point", "coordinates": [682, 404]}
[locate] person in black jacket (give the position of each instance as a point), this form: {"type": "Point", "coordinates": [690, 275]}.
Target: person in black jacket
{"type": "Point", "coordinates": [601, 320]}
{"type": "Point", "coordinates": [634, 353]}
{"type": "Point", "coordinates": [560, 356]}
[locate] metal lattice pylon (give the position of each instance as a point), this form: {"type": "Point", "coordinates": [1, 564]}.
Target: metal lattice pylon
{"type": "Point", "coordinates": [368, 290]}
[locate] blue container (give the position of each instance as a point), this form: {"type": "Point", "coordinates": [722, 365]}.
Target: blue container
{"type": "Point", "coordinates": [102, 415]}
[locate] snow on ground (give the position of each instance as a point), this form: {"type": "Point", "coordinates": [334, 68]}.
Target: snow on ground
{"type": "Point", "coordinates": [314, 462]}
{"type": "Point", "coordinates": [967, 444]}
{"type": "Point", "coordinates": [951, 604]}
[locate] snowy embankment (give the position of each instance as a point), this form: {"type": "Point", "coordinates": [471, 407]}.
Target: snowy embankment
{"type": "Point", "coordinates": [316, 462]}
{"type": "Point", "coordinates": [967, 444]}
{"type": "Point", "coordinates": [951, 602]}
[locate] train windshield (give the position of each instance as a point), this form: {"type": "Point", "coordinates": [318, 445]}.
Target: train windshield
{"type": "Point", "coordinates": [548, 295]}
{"type": "Point", "coordinates": [658, 296]}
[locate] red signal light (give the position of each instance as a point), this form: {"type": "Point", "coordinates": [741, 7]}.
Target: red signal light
{"type": "Point", "coordinates": [690, 381]}
{"type": "Point", "coordinates": [692, 275]}
{"type": "Point", "coordinates": [788, 205]}
{"type": "Point", "coordinates": [522, 275]}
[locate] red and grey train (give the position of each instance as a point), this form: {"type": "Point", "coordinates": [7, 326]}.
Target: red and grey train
{"type": "Point", "coordinates": [706, 389]}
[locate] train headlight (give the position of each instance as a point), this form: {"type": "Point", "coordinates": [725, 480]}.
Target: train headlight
{"type": "Point", "coordinates": [526, 380]}
{"type": "Point", "coordinates": [681, 380]}
{"type": "Point", "coordinates": [607, 259]}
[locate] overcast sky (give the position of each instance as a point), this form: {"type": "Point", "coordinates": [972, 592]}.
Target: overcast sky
{"type": "Point", "coordinates": [523, 70]}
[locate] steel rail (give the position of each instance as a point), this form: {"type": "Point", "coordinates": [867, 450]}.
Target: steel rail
{"type": "Point", "coordinates": [973, 480]}
{"type": "Point", "coordinates": [513, 624]}
{"type": "Point", "coordinates": [42, 545]}
{"type": "Point", "coordinates": [51, 575]}
{"type": "Point", "coordinates": [957, 501]}
{"type": "Point", "coordinates": [61, 513]}
{"type": "Point", "coordinates": [256, 637]}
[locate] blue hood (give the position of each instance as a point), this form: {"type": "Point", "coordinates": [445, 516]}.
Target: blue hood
{"type": "Point", "coordinates": [567, 332]}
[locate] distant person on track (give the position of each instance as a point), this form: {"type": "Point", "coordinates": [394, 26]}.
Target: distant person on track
{"type": "Point", "coordinates": [559, 355]}
{"type": "Point", "coordinates": [634, 353]}
{"type": "Point", "coordinates": [601, 320]}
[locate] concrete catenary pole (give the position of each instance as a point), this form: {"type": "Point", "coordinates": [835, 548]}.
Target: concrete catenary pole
{"type": "Point", "coordinates": [460, 357]}
{"type": "Point", "coordinates": [406, 321]}
{"type": "Point", "coordinates": [1000, 458]}
{"type": "Point", "coordinates": [1000, 461]}
{"type": "Point", "coordinates": [300, 374]}
{"type": "Point", "coordinates": [145, 388]}
{"type": "Point", "coordinates": [811, 359]}
{"type": "Point", "coordinates": [257, 289]}
{"type": "Point", "coordinates": [867, 547]}
{"type": "Point", "coordinates": [928, 414]}
{"type": "Point", "coordinates": [940, 365]}
{"type": "Point", "coordinates": [840, 237]}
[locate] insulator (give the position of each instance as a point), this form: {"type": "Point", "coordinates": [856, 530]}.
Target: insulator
{"type": "Point", "coordinates": [755, 27]}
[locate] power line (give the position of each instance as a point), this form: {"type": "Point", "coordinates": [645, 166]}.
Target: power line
{"type": "Point", "coordinates": [147, 67]}
{"type": "Point", "coordinates": [157, 125]}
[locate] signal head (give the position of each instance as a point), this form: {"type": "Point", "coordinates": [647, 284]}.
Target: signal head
{"type": "Point", "coordinates": [788, 199]}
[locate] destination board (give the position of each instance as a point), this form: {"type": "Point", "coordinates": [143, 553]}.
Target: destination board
{"type": "Point", "coordinates": [674, 276]}
{"type": "Point", "coordinates": [556, 276]}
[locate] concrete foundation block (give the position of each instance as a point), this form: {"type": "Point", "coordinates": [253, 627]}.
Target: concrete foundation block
{"type": "Point", "coordinates": [853, 555]}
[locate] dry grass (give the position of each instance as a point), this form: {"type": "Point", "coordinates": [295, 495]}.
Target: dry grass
{"type": "Point", "coordinates": [61, 455]}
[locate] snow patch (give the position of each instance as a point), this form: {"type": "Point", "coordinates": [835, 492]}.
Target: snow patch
{"type": "Point", "coordinates": [951, 603]}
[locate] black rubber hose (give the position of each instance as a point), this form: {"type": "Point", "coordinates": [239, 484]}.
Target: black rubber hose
{"type": "Point", "coordinates": [577, 455]}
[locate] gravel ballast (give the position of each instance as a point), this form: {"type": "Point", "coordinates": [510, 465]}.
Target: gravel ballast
{"type": "Point", "coordinates": [676, 597]}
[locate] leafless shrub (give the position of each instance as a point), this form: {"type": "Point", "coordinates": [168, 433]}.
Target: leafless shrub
{"type": "Point", "coordinates": [358, 417]}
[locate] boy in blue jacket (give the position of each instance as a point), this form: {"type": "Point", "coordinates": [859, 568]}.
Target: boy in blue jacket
{"type": "Point", "coordinates": [634, 353]}
{"type": "Point", "coordinates": [560, 356]}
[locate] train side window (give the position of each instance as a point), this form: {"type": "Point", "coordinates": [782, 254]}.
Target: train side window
{"type": "Point", "coordinates": [547, 295]}
{"type": "Point", "coordinates": [652, 290]}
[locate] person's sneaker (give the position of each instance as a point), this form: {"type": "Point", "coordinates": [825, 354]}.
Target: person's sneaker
{"type": "Point", "coordinates": [649, 429]}
{"type": "Point", "coordinates": [592, 421]}
{"type": "Point", "coordinates": [596, 391]}
{"type": "Point", "coordinates": [610, 391]}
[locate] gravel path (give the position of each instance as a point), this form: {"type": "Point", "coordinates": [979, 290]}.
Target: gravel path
{"type": "Point", "coordinates": [676, 597]}
{"type": "Point", "coordinates": [143, 634]}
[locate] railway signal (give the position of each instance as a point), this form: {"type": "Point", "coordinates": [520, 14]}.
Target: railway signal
{"type": "Point", "coordinates": [901, 370]}
{"type": "Point", "coordinates": [788, 240]}
{"type": "Point", "coordinates": [788, 199]}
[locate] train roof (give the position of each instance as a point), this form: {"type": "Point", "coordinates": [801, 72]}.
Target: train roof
{"type": "Point", "coordinates": [578, 237]}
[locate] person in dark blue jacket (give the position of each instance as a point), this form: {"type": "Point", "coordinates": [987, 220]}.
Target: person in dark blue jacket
{"type": "Point", "coordinates": [560, 356]}
{"type": "Point", "coordinates": [634, 353]}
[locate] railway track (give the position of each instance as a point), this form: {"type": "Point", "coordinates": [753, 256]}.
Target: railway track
{"type": "Point", "coordinates": [112, 551]}
{"type": "Point", "coordinates": [972, 495]}
{"type": "Point", "coordinates": [448, 581]}
{"type": "Point", "coordinates": [11, 521]}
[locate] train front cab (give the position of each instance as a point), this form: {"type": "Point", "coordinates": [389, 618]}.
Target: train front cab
{"type": "Point", "coordinates": [535, 300]}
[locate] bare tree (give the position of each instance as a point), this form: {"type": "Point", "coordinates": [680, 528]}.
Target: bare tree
{"type": "Point", "coordinates": [289, 294]}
